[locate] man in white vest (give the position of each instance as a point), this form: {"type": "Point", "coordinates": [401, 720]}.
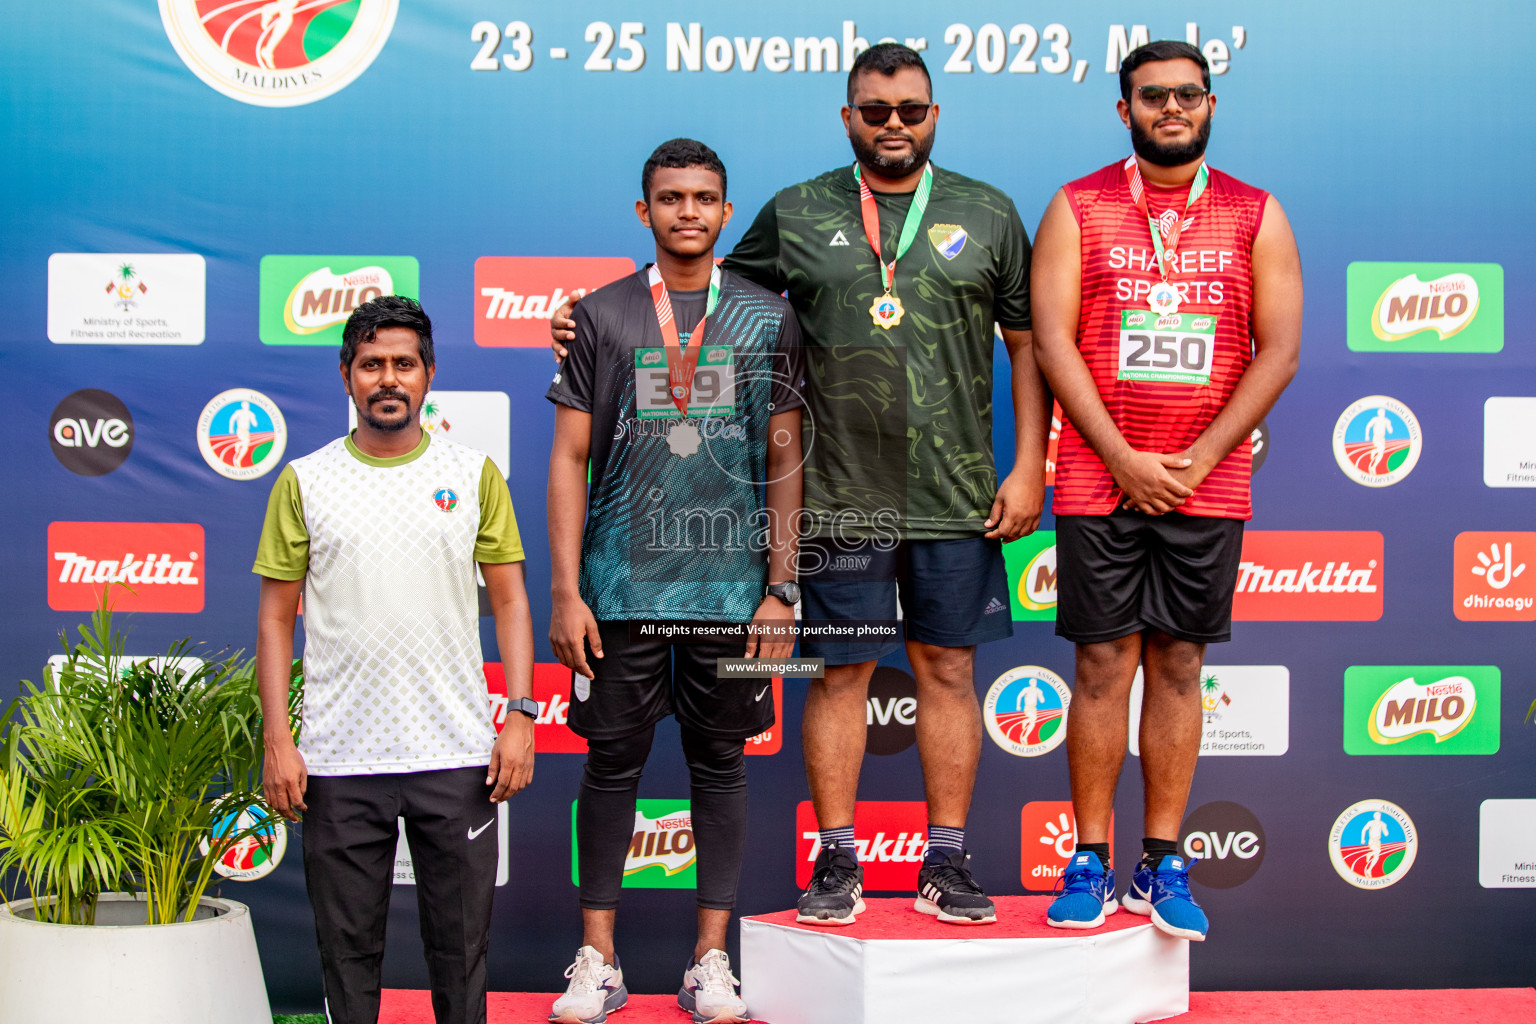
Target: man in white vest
{"type": "Point", "coordinates": [380, 532]}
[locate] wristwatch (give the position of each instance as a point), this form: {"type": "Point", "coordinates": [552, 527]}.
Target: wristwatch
{"type": "Point", "coordinates": [789, 592]}
{"type": "Point", "coordinates": [526, 705]}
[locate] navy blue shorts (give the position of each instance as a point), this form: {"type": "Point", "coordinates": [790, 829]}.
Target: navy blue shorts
{"type": "Point", "coordinates": [954, 593]}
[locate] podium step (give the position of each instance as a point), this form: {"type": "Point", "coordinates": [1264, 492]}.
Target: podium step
{"type": "Point", "coordinates": [896, 966]}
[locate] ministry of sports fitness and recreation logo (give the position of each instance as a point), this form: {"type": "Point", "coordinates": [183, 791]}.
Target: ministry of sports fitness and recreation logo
{"type": "Point", "coordinates": [1506, 858]}
{"type": "Point", "coordinates": [1426, 307]}
{"type": "Point", "coordinates": [1047, 840]}
{"type": "Point", "coordinates": [305, 300]}
{"type": "Point", "coordinates": [1031, 565]}
{"type": "Point", "coordinates": [1377, 441]}
{"type": "Point", "coordinates": [516, 295]}
{"type": "Point", "coordinates": [278, 53]}
{"type": "Point", "coordinates": [90, 432]}
{"type": "Point", "coordinates": [242, 434]}
{"type": "Point", "coordinates": [1246, 708]}
{"type": "Point", "coordinates": [1372, 844]}
{"type": "Point", "coordinates": [1227, 840]}
{"type": "Point", "coordinates": [256, 854]}
{"type": "Point", "coordinates": [661, 853]}
{"type": "Point", "coordinates": [162, 563]}
{"type": "Point", "coordinates": [1509, 441]}
{"type": "Point", "coordinates": [1026, 711]}
{"type": "Point", "coordinates": [1422, 709]}
{"type": "Point", "coordinates": [97, 298]}
{"type": "Point", "coordinates": [1495, 576]}
{"type": "Point", "coordinates": [890, 836]}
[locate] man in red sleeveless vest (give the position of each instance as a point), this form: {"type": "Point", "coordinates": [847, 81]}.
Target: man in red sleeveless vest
{"type": "Point", "coordinates": [1167, 321]}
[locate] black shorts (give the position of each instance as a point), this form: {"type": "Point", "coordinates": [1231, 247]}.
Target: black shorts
{"type": "Point", "coordinates": [640, 682]}
{"type": "Point", "coordinates": [1125, 572]}
{"type": "Point", "coordinates": [954, 593]}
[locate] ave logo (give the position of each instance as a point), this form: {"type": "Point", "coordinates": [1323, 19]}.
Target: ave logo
{"type": "Point", "coordinates": [1228, 841]}
{"type": "Point", "coordinates": [516, 295]}
{"type": "Point", "coordinates": [91, 432]}
{"type": "Point", "coordinates": [1495, 577]}
{"type": "Point", "coordinates": [890, 711]}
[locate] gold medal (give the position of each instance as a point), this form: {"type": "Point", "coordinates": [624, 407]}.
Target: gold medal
{"type": "Point", "coordinates": [886, 311]}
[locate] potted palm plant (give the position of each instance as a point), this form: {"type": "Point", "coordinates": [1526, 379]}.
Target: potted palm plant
{"type": "Point", "coordinates": [123, 782]}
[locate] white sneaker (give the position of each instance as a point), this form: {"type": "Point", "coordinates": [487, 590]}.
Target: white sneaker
{"type": "Point", "coordinates": [709, 991]}
{"type": "Point", "coordinates": [596, 987]}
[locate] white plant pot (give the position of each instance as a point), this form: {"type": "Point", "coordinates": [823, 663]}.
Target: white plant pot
{"type": "Point", "coordinates": [125, 971]}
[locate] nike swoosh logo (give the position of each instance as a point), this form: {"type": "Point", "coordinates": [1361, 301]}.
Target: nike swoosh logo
{"type": "Point", "coordinates": [760, 693]}
{"type": "Point", "coordinates": [474, 832]}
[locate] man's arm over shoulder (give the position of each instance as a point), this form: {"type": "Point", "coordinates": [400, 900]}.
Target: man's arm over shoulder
{"type": "Point", "coordinates": [576, 378]}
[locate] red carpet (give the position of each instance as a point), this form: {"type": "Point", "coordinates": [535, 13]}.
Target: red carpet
{"type": "Point", "coordinates": [1427, 1006]}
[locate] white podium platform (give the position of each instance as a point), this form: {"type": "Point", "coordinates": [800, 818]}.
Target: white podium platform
{"type": "Point", "coordinates": [896, 966]}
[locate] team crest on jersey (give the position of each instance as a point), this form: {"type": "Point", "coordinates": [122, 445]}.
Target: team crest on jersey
{"type": "Point", "coordinates": [278, 53]}
{"type": "Point", "coordinates": [1026, 709]}
{"type": "Point", "coordinates": [1372, 844]}
{"type": "Point", "coordinates": [949, 239]}
{"type": "Point", "coordinates": [445, 499]}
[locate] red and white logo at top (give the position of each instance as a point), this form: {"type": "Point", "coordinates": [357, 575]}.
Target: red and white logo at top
{"type": "Point", "coordinates": [1310, 576]}
{"type": "Point", "coordinates": [891, 835]}
{"type": "Point", "coordinates": [515, 295]}
{"type": "Point", "coordinates": [160, 563]}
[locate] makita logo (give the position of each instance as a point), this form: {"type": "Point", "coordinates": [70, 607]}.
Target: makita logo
{"type": "Point", "coordinates": [890, 836]}
{"type": "Point", "coordinates": [1310, 576]}
{"type": "Point", "coordinates": [552, 692]}
{"type": "Point", "coordinates": [516, 295]}
{"type": "Point", "coordinates": [160, 565]}
{"type": "Point", "coordinates": [1253, 578]}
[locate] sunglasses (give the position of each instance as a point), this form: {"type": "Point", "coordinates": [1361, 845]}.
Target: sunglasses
{"type": "Point", "coordinates": [877, 114]}
{"type": "Point", "coordinates": [1189, 96]}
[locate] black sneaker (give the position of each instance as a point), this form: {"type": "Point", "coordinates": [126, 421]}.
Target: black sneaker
{"type": "Point", "coordinates": [836, 891]}
{"type": "Point", "coordinates": [946, 890]}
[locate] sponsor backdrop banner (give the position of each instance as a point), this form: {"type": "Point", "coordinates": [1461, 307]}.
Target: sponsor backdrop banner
{"type": "Point", "coordinates": [170, 344]}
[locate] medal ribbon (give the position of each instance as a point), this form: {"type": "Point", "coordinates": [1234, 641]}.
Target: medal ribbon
{"type": "Point", "coordinates": [1175, 224]}
{"type": "Point", "coordinates": [680, 365]}
{"type": "Point", "coordinates": [871, 215]}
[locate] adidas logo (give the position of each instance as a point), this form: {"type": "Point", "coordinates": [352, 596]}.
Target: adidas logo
{"type": "Point", "coordinates": [839, 239]}
{"type": "Point", "coordinates": [994, 606]}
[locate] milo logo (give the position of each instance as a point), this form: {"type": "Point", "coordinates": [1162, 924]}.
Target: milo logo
{"type": "Point", "coordinates": [1135, 319]}
{"type": "Point", "coordinates": [651, 358]}
{"type": "Point", "coordinates": [1426, 307]}
{"type": "Point", "coordinates": [1200, 323]}
{"type": "Point", "coordinates": [1172, 321]}
{"type": "Point", "coordinates": [717, 355]}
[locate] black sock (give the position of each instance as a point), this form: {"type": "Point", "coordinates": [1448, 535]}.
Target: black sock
{"type": "Point", "coordinates": [1153, 850]}
{"type": "Point", "coordinates": [1100, 850]}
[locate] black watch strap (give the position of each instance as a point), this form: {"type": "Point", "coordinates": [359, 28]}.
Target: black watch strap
{"type": "Point", "coordinates": [526, 705]}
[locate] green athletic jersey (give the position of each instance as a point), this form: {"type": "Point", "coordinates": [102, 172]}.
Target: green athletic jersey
{"type": "Point", "coordinates": [898, 427]}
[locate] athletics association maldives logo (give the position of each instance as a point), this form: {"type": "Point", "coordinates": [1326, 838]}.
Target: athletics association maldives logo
{"type": "Point", "coordinates": [445, 499]}
{"type": "Point", "coordinates": [278, 53]}
{"type": "Point", "coordinates": [1026, 711]}
{"type": "Point", "coordinates": [1377, 441]}
{"type": "Point", "coordinates": [1372, 844]}
{"type": "Point", "coordinates": [254, 855]}
{"type": "Point", "coordinates": [242, 434]}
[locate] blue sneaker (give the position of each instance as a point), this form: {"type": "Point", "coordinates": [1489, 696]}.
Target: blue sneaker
{"type": "Point", "coordinates": [1087, 894]}
{"type": "Point", "coordinates": [1165, 894]}
{"type": "Point", "coordinates": [1138, 898]}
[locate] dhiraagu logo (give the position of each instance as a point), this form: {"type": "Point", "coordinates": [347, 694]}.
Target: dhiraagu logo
{"type": "Point", "coordinates": [305, 300]}
{"type": "Point", "coordinates": [1426, 307]}
{"type": "Point", "coordinates": [1421, 709]}
{"type": "Point", "coordinates": [661, 851]}
{"type": "Point", "coordinates": [1031, 565]}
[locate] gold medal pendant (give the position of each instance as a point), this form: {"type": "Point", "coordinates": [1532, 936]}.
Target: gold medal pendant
{"type": "Point", "coordinates": [886, 311]}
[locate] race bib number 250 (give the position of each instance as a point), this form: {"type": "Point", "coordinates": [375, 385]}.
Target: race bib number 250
{"type": "Point", "coordinates": [714, 384]}
{"type": "Point", "coordinates": [1171, 347]}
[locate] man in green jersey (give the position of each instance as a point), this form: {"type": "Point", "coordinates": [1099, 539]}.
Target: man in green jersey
{"type": "Point", "coordinates": [901, 492]}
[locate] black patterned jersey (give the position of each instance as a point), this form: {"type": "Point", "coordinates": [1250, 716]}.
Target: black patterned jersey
{"type": "Point", "coordinates": [898, 427]}
{"type": "Point", "coordinates": [676, 522]}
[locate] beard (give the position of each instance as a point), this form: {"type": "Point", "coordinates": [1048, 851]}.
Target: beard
{"type": "Point", "coordinates": [1154, 152]}
{"type": "Point", "coordinates": [365, 413]}
{"type": "Point", "coordinates": [868, 154]}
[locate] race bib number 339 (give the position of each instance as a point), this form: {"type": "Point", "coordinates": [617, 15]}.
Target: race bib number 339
{"type": "Point", "coordinates": [714, 384]}
{"type": "Point", "coordinates": [1172, 347]}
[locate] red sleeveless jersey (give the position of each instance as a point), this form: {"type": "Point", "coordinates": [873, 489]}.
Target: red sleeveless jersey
{"type": "Point", "coordinates": [1213, 272]}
